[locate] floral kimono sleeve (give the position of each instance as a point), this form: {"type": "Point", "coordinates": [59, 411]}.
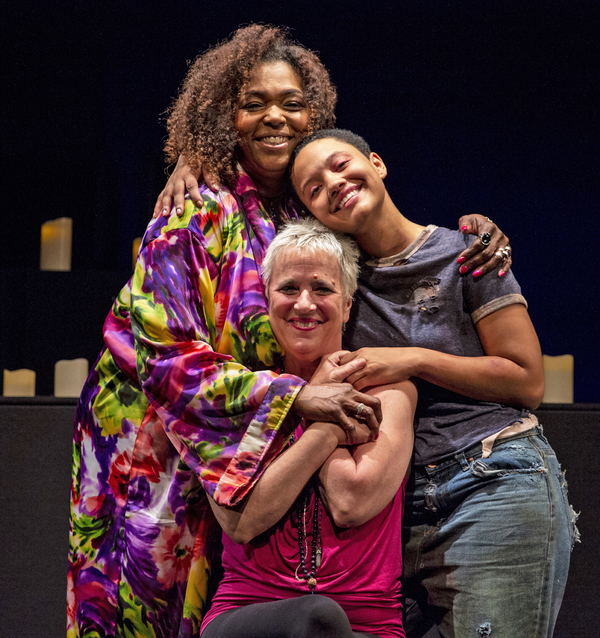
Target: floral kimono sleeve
{"type": "Point", "coordinates": [199, 319]}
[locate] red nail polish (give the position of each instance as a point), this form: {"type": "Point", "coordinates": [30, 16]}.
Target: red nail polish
{"type": "Point", "coordinates": [465, 228]}
{"type": "Point", "coordinates": [460, 260]}
{"type": "Point", "coordinates": [477, 273]}
{"type": "Point", "coordinates": [501, 273]}
{"type": "Point", "coordinates": [463, 270]}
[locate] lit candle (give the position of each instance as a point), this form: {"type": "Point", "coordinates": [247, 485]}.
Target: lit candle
{"type": "Point", "coordinates": [56, 244]}
{"type": "Point", "coordinates": [137, 242]}
{"type": "Point", "coordinates": [69, 377]}
{"type": "Point", "coordinates": [558, 378]}
{"type": "Point", "coordinates": [19, 383]}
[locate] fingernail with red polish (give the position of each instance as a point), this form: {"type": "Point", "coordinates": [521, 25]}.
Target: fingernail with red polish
{"type": "Point", "coordinates": [477, 273]}
{"type": "Point", "coordinates": [464, 228]}
{"type": "Point", "coordinates": [463, 269]}
{"type": "Point", "coordinates": [501, 273]}
{"type": "Point", "coordinates": [460, 260]}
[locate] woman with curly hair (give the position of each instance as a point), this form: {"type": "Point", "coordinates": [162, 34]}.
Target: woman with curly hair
{"type": "Point", "coordinates": [187, 398]}
{"type": "Point", "coordinates": [200, 121]}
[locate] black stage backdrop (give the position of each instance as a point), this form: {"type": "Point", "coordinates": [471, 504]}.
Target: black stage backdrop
{"type": "Point", "coordinates": [487, 107]}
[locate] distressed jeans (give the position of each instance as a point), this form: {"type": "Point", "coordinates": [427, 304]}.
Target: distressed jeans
{"type": "Point", "coordinates": [487, 542]}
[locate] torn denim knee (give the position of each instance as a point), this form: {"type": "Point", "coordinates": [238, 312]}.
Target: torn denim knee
{"type": "Point", "coordinates": [573, 515]}
{"type": "Point", "coordinates": [484, 630]}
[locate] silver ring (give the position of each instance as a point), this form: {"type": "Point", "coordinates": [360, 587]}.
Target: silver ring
{"type": "Point", "coordinates": [360, 408]}
{"type": "Point", "coordinates": [486, 238]}
{"type": "Point", "coordinates": [503, 252]}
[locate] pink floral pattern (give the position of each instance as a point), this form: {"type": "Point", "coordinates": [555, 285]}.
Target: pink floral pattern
{"type": "Point", "coordinates": [183, 401]}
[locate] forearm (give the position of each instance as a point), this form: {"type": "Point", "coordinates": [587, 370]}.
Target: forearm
{"type": "Point", "coordinates": [279, 486]}
{"type": "Point", "coordinates": [358, 483]}
{"type": "Point", "coordinates": [485, 378]}
{"type": "Point", "coordinates": [221, 416]}
{"type": "Point", "coordinates": [510, 371]}
{"type": "Point", "coordinates": [357, 490]}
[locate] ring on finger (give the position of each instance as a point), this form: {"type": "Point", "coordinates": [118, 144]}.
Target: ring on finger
{"type": "Point", "coordinates": [485, 238]}
{"type": "Point", "coordinates": [503, 253]}
{"type": "Point", "coordinates": [360, 408]}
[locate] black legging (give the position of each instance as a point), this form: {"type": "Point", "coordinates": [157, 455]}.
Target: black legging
{"type": "Point", "coordinates": [304, 617]}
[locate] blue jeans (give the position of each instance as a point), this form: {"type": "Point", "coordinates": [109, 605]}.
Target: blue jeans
{"type": "Point", "coordinates": [487, 542]}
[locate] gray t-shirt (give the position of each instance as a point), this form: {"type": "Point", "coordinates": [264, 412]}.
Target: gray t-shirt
{"type": "Point", "coordinates": [419, 298]}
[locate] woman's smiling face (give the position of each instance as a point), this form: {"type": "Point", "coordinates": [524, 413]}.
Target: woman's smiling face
{"type": "Point", "coordinates": [338, 184]}
{"type": "Point", "coordinates": [307, 307]}
{"type": "Point", "coordinates": [272, 118]}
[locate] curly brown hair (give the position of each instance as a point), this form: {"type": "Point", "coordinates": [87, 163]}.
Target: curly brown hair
{"type": "Point", "coordinates": [201, 120]}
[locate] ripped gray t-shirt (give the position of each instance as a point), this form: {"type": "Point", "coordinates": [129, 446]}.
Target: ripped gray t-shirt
{"type": "Point", "coordinates": [419, 298]}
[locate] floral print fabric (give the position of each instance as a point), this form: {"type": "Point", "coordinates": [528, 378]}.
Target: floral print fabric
{"type": "Point", "coordinates": [182, 402]}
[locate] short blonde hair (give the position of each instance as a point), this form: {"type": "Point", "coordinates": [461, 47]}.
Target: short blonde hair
{"type": "Point", "coordinates": [312, 236]}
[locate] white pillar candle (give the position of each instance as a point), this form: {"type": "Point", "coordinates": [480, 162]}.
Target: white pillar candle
{"type": "Point", "coordinates": [69, 377]}
{"type": "Point", "coordinates": [558, 377]}
{"type": "Point", "coordinates": [55, 252]}
{"type": "Point", "coordinates": [19, 383]}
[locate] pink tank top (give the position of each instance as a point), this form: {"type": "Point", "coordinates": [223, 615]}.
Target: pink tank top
{"type": "Point", "coordinates": [360, 568]}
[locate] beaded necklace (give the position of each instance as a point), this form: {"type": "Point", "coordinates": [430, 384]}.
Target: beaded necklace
{"type": "Point", "coordinates": [316, 551]}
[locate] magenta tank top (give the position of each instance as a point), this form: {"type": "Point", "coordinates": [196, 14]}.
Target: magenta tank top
{"type": "Point", "coordinates": [360, 569]}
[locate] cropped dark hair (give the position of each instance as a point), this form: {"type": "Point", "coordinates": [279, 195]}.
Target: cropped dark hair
{"type": "Point", "coordinates": [341, 134]}
{"type": "Point", "coordinates": [201, 121]}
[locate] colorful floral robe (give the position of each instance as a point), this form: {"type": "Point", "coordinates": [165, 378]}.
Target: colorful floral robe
{"type": "Point", "coordinates": [180, 403]}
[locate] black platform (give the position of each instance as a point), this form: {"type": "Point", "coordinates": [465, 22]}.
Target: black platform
{"type": "Point", "coordinates": [35, 467]}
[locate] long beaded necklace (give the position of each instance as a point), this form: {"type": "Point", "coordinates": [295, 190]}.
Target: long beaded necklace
{"type": "Point", "coordinates": [316, 551]}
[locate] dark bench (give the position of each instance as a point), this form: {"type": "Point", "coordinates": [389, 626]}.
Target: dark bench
{"type": "Point", "coordinates": [35, 468]}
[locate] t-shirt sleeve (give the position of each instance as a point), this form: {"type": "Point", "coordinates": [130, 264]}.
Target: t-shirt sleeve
{"type": "Point", "coordinates": [490, 293]}
{"type": "Point", "coordinates": [497, 304]}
